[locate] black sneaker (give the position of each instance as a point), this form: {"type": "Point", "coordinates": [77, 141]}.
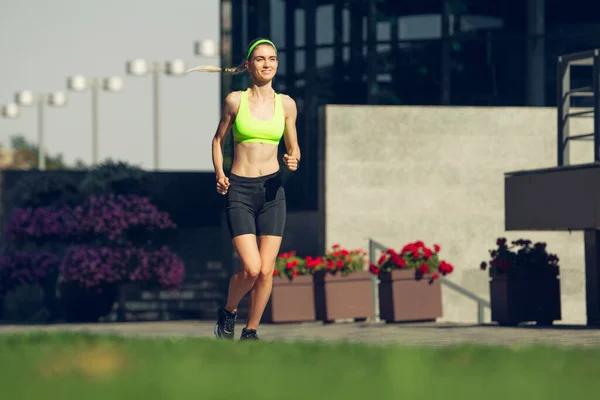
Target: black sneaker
{"type": "Point", "coordinates": [225, 327]}
{"type": "Point", "coordinates": [249, 334]}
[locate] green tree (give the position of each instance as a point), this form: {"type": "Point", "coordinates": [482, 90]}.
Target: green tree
{"type": "Point", "coordinates": [27, 153]}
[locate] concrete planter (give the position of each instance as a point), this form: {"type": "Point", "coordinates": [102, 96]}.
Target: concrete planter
{"type": "Point", "coordinates": [343, 297]}
{"type": "Point", "coordinates": [291, 300]}
{"type": "Point", "coordinates": [517, 298]}
{"type": "Point", "coordinates": [403, 298]}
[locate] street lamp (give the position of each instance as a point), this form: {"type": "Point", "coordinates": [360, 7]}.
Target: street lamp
{"type": "Point", "coordinates": [10, 110]}
{"type": "Point", "coordinates": [27, 98]}
{"type": "Point", "coordinates": [141, 67]}
{"type": "Point", "coordinates": [80, 83]}
{"type": "Point", "coordinates": [205, 48]}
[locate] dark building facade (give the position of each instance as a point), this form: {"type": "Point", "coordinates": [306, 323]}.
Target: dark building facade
{"type": "Point", "coordinates": [406, 52]}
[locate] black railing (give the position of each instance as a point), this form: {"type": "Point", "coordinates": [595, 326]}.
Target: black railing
{"type": "Point", "coordinates": [589, 58]}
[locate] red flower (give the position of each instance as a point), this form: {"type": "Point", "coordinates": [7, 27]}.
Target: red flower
{"type": "Point", "coordinates": [400, 262]}
{"type": "Point", "coordinates": [409, 248]}
{"type": "Point", "coordinates": [312, 262]}
{"type": "Point", "coordinates": [288, 254]}
{"type": "Point", "coordinates": [275, 273]}
{"type": "Point", "coordinates": [445, 268]}
{"type": "Point", "coordinates": [427, 253]}
{"type": "Point", "coordinates": [295, 272]}
{"type": "Point", "coordinates": [373, 269]}
{"type": "Point", "coordinates": [343, 261]}
{"type": "Point", "coordinates": [291, 264]}
{"type": "Point", "coordinates": [433, 278]}
{"type": "Point", "coordinates": [415, 255]}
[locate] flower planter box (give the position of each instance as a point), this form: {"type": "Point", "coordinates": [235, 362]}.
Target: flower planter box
{"type": "Point", "coordinates": [291, 300]}
{"type": "Point", "coordinates": [517, 298]}
{"type": "Point", "coordinates": [403, 298]}
{"type": "Point", "coordinates": [343, 297]}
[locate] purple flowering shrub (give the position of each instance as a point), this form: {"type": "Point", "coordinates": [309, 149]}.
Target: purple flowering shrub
{"type": "Point", "coordinates": [91, 266]}
{"type": "Point", "coordinates": [160, 266]}
{"type": "Point", "coordinates": [108, 217]}
{"type": "Point", "coordinates": [112, 216]}
{"type": "Point", "coordinates": [25, 267]}
{"type": "Point", "coordinates": [41, 223]}
{"type": "Point", "coordinates": [108, 238]}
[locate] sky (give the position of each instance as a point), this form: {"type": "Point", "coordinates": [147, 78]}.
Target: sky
{"type": "Point", "coordinates": [44, 42]}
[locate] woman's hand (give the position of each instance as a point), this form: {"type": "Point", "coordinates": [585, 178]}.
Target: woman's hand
{"type": "Point", "coordinates": [291, 162]}
{"type": "Point", "coordinates": [222, 184]}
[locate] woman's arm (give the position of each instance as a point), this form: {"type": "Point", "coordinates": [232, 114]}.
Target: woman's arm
{"type": "Point", "coordinates": [290, 135]}
{"type": "Point", "coordinates": [228, 114]}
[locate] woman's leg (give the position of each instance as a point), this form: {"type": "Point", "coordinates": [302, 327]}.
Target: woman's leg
{"type": "Point", "coordinates": [270, 225]}
{"type": "Point", "coordinates": [244, 279]}
{"type": "Point", "coordinates": [259, 297]}
{"type": "Point", "coordinates": [239, 284]}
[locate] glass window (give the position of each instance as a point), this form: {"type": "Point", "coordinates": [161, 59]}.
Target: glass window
{"type": "Point", "coordinates": [278, 23]}
{"type": "Point", "coordinates": [409, 74]}
{"type": "Point", "coordinates": [488, 72]}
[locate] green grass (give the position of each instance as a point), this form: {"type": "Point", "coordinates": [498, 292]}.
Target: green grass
{"type": "Point", "coordinates": [71, 366]}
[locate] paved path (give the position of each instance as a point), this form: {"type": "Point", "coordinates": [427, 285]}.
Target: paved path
{"type": "Point", "coordinates": [431, 334]}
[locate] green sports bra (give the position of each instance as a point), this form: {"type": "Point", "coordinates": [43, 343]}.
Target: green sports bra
{"type": "Point", "coordinates": [247, 129]}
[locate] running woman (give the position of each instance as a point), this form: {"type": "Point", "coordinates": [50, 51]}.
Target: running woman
{"type": "Point", "coordinates": [255, 197]}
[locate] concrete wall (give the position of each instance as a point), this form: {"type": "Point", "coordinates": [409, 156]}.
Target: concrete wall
{"type": "Point", "coordinates": [400, 174]}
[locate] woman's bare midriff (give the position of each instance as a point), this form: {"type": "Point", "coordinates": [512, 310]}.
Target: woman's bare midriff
{"type": "Point", "coordinates": [254, 159]}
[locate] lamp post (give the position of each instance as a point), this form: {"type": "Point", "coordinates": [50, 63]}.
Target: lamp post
{"type": "Point", "coordinates": [10, 110]}
{"type": "Point", "coordinates": [205, 48]}
{"type": "Point", "coordinates": [141, 67]}
{"type": "Point", "coordinates": [28, 98]}
{"type": "Point", "coordinates": [80, 83]}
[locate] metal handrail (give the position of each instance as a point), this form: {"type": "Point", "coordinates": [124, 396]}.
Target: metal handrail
{"type": "Point", "coordinates": [565, 92]}
{"type": "Point", "coordinates": [481, 303]}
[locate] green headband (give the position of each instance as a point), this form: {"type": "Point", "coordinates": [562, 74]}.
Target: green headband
{"type": "Point", "coordinates": [256, 44]}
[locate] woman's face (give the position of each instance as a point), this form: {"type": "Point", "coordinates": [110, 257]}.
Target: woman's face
{"type": "Point", "coordinates": [263, 63]}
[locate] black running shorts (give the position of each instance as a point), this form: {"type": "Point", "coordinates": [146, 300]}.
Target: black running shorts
{"type": "Point", "coordinates": [256, 205]}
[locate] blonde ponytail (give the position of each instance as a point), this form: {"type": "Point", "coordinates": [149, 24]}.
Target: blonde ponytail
{"type": "Point", "coordinates": [240, 68]}
{"type": "Point", "coordinates": [209, 68]}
